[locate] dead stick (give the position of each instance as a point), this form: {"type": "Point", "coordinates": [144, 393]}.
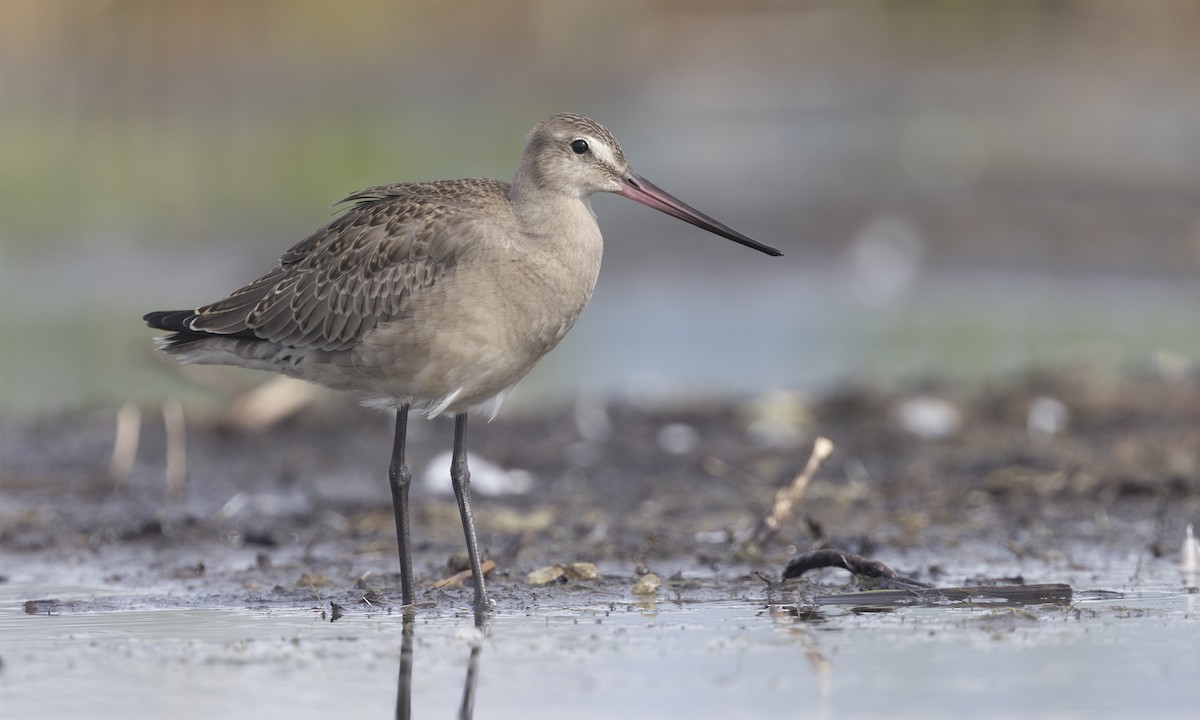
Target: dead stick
{"type": "Point", "coordinates": [787, 499]}
{"type": "Point", "coordinates": [856, 564]}
{"type": "Point", "coordinates": [458, 578]}
{"type": "Point", "coordinates": [125, 446]}
{"type": "Point", "coordinates": [176, 449]}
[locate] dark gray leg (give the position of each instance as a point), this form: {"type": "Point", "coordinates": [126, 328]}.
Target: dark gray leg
{"type": "Point", "coordinates": [400, 479]}
{"type": "Point", "coordinates": [460, 478]}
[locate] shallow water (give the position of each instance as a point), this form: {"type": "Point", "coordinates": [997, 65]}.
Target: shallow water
{"type": "Point", "coordinates": [1102, 657]}
{"type": "Point", "coordinates": [652, 335]}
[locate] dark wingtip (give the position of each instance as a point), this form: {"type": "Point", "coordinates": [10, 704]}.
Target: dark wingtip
{"type": "Point", "coordinates": [176, 323]}
{"type": "Point", "coordinates": [172, 320]}
{"type": "Point", "coordinates": [179, 324]}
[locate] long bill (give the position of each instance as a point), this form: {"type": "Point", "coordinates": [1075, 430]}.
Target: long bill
{"type": "Point", "coordinates": [639, 189]}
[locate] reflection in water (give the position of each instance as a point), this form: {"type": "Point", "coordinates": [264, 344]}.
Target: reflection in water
{"type": "Point", "coordinates": [467, 710]}
{"type": "Point", "coordinates": [798, 623]}
{"type": "Point", "coordinates": [404, 685]}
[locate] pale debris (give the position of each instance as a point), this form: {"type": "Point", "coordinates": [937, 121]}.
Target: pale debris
{"type": "Point", "coordinates": [272, 402]}
{"type": "Point", "coordinates": [569, 571]}
{"type": "Point", "coordinates": [125, 445]}
{"type": "Point", "coordinates": [647, 585]}
{"type": "Point", "coordinates": [927, 417]}
{"type": "Point", "coordinates": [487, 478]}
{"type": "Point", "coordinates": [789, 497]}
{"type": "Point", "coordinates": [1189, 556]}
{"type": "Point", "coordinates": [176, 448]}
{"type": "Point", "coordinates": [1047, 416]}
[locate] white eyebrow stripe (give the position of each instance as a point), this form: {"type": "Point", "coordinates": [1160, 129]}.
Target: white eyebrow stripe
{"type": "Point", "coordinates": [600, 149]}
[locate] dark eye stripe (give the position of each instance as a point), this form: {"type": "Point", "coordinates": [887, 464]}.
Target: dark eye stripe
{"type": "Point", "coordinates": [579, 146]}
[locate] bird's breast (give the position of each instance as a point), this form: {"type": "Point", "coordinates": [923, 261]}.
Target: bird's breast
{"type": "Point", "coordinates": [553, 283]}
{"type": "Point", "coordinates": [487, 321]}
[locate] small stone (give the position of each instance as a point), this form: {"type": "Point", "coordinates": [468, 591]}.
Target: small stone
{"type": "Point", "coordinates": [581, 571]}
{"type": "Point", "coordinates": [647, 585]}
{"type": "Point", "coordinates": [564, 571]}
{"type": "Point", "coordinates": [546, 575]}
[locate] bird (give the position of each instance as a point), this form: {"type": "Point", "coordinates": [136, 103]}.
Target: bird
{"type": "Point", "coordinates": [434, 297]}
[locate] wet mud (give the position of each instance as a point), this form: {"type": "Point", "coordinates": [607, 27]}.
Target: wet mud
{"type": "Point", "coordinates": [941, 477]}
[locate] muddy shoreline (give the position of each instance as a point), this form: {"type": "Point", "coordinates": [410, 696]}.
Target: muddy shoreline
{"type": "Point", "coordinates": [299, 512]}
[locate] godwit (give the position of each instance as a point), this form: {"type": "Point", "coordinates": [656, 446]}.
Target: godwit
{"type": "Point", "coordinates": [435, 296]}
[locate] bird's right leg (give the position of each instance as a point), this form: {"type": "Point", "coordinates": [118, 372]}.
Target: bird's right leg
{"type": "Point", "coordinates": [460, 480]}
{"type": "Point", "coordinates": [400, 479]}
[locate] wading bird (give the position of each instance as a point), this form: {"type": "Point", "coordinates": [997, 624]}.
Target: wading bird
{"type": "Point", "coordinates": [435, 296]}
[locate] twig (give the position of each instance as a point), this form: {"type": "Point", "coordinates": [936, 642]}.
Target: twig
{"type": "Point", "coordinates": [176, 448]}
{"type": "Point", "coordinates": [789, 498]}
{"type": "Point", "coordinates": [458, 578]}
{"type": "Point", "coordinates": [125, 446]}
{"type": "Point", "coordinates": [856, 564]}
{"type": "Point", "coordinates": [990, 596]}
{"type": "Point", "coordinates": [764, 577]}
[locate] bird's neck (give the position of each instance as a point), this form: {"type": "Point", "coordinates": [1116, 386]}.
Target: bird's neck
{"type": "Point", "coordinates": [551, 215]}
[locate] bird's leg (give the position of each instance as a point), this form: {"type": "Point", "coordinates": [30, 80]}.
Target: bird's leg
{"type": "Point", "coordinates": [400, 479]}
{"type": "Point", "coordinates": [460, 478]}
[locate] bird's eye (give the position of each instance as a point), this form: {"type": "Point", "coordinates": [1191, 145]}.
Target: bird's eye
{"type": "Point", "coordinates": [579, 146]}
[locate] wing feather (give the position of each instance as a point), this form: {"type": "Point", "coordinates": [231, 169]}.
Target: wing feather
{"type": "Point", "coordinates": [361, 269]}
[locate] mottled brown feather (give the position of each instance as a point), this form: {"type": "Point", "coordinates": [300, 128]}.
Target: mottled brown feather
{"type": "Point", "coordinates": [361, 269]}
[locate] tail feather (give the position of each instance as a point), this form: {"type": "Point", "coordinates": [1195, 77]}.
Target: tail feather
{"type": "Point", "coordinates": [179, 324]}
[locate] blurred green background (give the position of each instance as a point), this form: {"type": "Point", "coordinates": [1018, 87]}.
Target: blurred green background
{"type": "Point", "coordinates": [961, 189]}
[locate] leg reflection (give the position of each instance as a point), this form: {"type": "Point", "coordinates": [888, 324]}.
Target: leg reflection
{"type": "Point", "coordinates": [467, 711]}
{"type": "Point", "coordinates": [404, 685]}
